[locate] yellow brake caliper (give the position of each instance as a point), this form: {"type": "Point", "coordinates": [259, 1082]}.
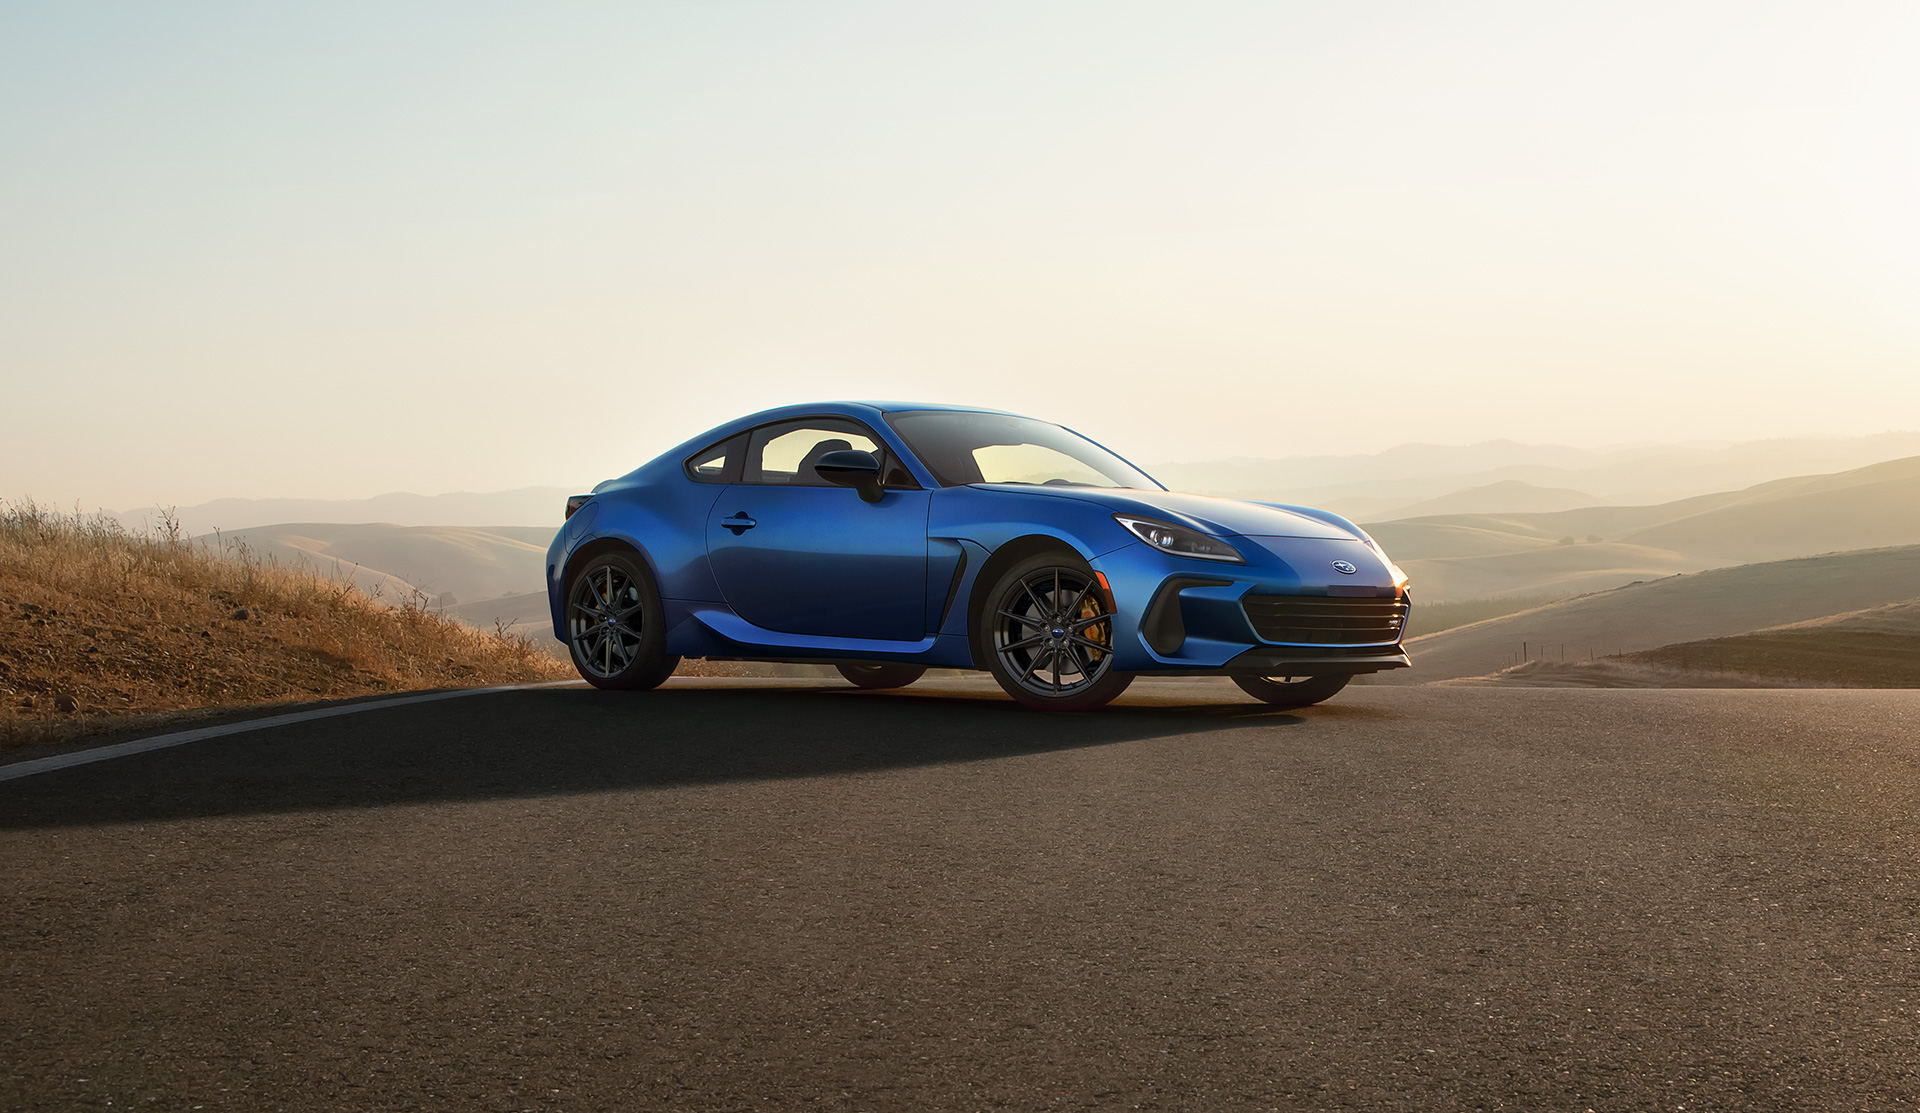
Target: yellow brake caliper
{"type": "Point", "coordinates": [1098, 632]}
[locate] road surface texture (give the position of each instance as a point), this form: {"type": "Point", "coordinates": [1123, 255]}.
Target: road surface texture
{"type": "Point", "coordinates": [796, 895]}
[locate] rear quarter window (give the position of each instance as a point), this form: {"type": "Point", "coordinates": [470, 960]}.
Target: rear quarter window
{"type": "Point", "coordinates": [719, 463]}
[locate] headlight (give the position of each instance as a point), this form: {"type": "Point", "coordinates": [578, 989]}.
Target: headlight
{"type": "Point", "coordinates": [1179, 540]}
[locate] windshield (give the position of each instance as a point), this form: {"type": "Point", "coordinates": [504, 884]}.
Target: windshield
{"type": "Point", "coordinates": [961, 447]}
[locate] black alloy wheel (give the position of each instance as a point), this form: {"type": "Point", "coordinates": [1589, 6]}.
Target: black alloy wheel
{"type": "Point", "coordinates": [1292, 691]}
{"type": "Point", "coordinates": [881, 676]}
{"type": "Point", "coordinates": [616, 631]}
{"type": "Point", "coordinates": [1047, 635]}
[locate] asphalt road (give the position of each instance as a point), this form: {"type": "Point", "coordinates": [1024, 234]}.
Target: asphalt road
{"type": "Point", "coordinates": [795, 895]}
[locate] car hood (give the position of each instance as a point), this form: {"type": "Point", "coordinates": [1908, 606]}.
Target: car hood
{"type": "Point", "coordinates": [1220, 517]}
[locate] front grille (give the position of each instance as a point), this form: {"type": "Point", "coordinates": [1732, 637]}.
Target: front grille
{"type": "Point", "coordinates": [1307, 620]}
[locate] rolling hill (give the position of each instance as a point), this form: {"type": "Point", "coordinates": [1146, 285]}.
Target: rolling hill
{"type": "Point", "coordinates": [1509, 496]}
{"type": "Point", "coordinates": [1719, 603]}
{"type": "Point", "coordinates": [1464, 556]}
{"type": "Point", "coordinates": [524, 613]}
{"type": "Point", "coordinates": [1879, 507]}
{"type": "Point", "coordinates": [1440, 539]}
{"type": "Point", "coordinates": [1544, 570]}
{"type": "Point", "coordinates": [466, 562]}
{"type": "Point", "coordinates": [1874, 648]}
{"type": "Point", "coordinates": [527, 506]}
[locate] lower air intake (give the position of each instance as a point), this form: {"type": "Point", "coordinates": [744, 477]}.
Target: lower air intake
{"type": "Point", "coordinates": [1311, 620]}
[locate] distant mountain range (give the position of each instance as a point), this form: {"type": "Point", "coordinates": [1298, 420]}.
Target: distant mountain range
{"type": "Point", "coordinates": [1493, 477]}
{"type": "Point", "coordinates": [1509, 496]}
{"type": "Point", "coordinates": [526, 506]}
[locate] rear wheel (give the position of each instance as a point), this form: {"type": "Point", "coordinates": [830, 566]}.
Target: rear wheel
{"type": "Point", "coordinates": [616, 631]}
{"type": "Point", "coordinates": [1292, 691]}
{"type": "Point", "coordinates": [881, 676]}
{"type": "Point", "coordinates": [1046, 635]}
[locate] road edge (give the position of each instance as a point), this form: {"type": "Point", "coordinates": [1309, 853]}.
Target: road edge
{"type": "Point", "coordinates": [16, 770]}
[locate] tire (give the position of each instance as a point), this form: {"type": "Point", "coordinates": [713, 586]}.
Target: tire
{"type": "Point", "coordinates": [616, 630]}
{"type": "Point", "coordinates": [1287, 691]}
{"type": "Point", "coordinates": [881, 676]}
{"type": "Point", "coordinates": [1046, 632]}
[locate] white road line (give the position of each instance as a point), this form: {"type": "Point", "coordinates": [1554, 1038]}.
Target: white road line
{"type": "Point", "coordinates": [161, 741]}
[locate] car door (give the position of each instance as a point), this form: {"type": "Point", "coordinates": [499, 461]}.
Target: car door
{"type": "Point", "coordinates": [795, 554]}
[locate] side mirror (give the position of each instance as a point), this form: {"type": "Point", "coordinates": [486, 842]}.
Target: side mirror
{"type": "Point", "coordinates": [852, 468]}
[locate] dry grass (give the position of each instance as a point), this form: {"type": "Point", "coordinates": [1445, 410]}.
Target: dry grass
{"type": "Point", "coordinates": [1876, 648]}
{"type": "Point", "coordinates": [99, 627]}
{"type": "Point", "coordinates": [1803, 656]}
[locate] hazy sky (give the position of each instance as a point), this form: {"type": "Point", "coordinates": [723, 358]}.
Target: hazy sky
{"type": "Point", "coordinates": [338, 249]}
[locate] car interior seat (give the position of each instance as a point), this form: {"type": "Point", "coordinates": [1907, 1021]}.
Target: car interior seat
{"type": "Point", "coordinates": [805, 473]}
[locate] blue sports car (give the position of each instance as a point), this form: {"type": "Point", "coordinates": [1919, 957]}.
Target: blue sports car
{"type": "Point", "coordinates": [889, 538]}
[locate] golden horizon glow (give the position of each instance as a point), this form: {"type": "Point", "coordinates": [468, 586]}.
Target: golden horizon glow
{"type": "Point", "coordinates": [342, 251]}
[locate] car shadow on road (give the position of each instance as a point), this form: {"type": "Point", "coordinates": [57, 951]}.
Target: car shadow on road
{"type": "Point", "coordinates": [576, 740]}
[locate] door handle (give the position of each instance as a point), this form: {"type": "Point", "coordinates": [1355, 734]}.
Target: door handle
{"type": "Point", "coordinates": [739, 523]}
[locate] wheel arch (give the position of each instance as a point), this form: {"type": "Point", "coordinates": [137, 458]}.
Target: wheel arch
{"type": "Point", "coordinates": [1003, 558]}
{"type": "Point", "coordinates": [600, 545]}
{"type": "Point", "coordinates": [579, 557]}
{"type": "Point", "coordinates": [645, 662]}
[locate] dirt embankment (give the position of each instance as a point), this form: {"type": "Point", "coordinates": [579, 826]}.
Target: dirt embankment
{"type": "Point", "coordinates": [99, 627]}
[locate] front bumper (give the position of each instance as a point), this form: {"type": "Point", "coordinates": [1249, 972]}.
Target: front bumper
{"type": "Point", "coordinates": [1183, 616]}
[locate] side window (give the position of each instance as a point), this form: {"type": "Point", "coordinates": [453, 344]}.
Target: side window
{"type": "Point", "coordinates": [784, 455]}
{"type": "Point", "coordinates": [718, 463]}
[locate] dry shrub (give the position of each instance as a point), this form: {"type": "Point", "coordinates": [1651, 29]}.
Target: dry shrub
{"type": "Point", "coordinates": [100, 624]}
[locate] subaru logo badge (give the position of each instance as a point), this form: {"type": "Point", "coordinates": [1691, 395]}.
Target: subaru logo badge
{"type": "Point", "coordinates": [1344, 568]}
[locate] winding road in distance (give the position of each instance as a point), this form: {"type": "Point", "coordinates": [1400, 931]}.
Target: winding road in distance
{"type": "Point", "coordinates": [797, 895]}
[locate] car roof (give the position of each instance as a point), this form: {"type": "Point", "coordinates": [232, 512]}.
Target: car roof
{"type": "Point", "coordinates": [871, 414]}
{"type": "Point", "coordinates": [869, 411]}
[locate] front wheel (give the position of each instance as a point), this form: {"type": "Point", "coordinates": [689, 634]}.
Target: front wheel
{"type": "Point", "coordinates": [616, 629]}
{"type": "Point", "coordinates": [1046, 634]}
{"type": "Point", "coordinates": [881, 676]}
{"type": "Point", "coordinates": [1292, 691]}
